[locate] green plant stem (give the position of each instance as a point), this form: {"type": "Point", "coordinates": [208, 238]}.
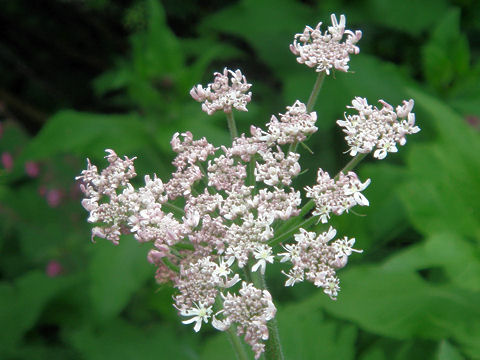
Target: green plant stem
{"type": "Point", "coordinates": [311, 102]}
{"type": "Point", "coordinates": [273, 346]}
{"type": "Point", "coordinates": [351, 164]}
{"type": "Point", "coordinates": [237, 344]}
{"type": "Point", "coordinates": [171, 265]}
{"type": "Point", "coordinates": [305, 224]}
{"type": "Point", "coordinates": [174, 207]}
{"type": "Point", "coordinates": [231, 125]}
{"type": "Point", "coordinates": [316, 89]}
{"type": "Point", "coordinates": [303, 211]}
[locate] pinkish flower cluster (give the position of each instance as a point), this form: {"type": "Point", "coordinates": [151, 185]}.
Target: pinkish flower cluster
{"type": "Point", "coordinates": [107, 185]}
{"type": "Point", "coordinates": [294, 126]}
{"type": "Point", "coordinates": [228, 90]}
{"type": "Point", "coordinates": [219, 220]}
{"type": "Point", "coordinates": [251, 310]}
{"type": "Point", "coordinates": [336, 196]}
{"type": "Point", "coordinates": [380, 129]}
{"type": "Point", "coordinates": [224, 223]}
{"type": "Point", "coordinates": [315, 259]}
{"type": "Point", "coordinates": [324, 51]}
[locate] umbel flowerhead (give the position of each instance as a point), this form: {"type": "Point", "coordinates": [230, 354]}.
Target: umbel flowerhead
{"type": "Point", "coordinates": [324, 51]}
{"type": "Point", "coordinates": [227, 213]}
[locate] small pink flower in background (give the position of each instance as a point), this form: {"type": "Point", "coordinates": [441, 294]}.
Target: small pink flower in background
{"type": "Point", "coordinates": [54, 197]}
{"type": "Point", "coordinates": [7, 161]}
{"type": "Point", "coordinates": [32, 169]}
{"type": "Point", "coordinates": [473, 121]}
{"type": "Point", "coordinates": [53, 269]}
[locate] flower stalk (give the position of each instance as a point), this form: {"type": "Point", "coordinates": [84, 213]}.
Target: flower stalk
{"type": "Point", "coordinates": [232, 127]}
{"type": "Point", "coordinates": [315, 91]}
{"type": "Point", "coordinates": [237, 344]}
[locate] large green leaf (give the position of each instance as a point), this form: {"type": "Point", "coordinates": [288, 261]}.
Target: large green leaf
{"type": "Point", "coordinates": [410, 16]}
{"type": "Point", "coordinates": [402, 305]}
{"type": "Point", "coordinates": [457, 256]}
{"type": "Point", "coordinates": [447, 351]}
{"type": "Point", "coordinates": [116, 272]}
{"type": "Point", "coordinates": [443, 194]}
{"type": "Point", "coordinates": [268, 32]}
{"type": "Point", "coordinates": [21, 304]}
{"type": "Point", "coordinates": [307, 335]}
{"type": "Point", "coordinates": [119, 340]}
{"type": "Point", "coordinates": [446, 56]}
{"type": "Point", "coordinates": [88, 134]}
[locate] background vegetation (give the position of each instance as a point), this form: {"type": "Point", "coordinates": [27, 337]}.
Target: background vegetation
{"type": "Point", "coordinates": [79, 76]}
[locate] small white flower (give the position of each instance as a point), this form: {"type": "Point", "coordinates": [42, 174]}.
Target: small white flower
{"type": "Point", "coordinates": [263, 253]}
{"type": "Point", "coordinates": [355, 189]}
{"type": "Point", "coordinates": [293, 278]}
{"type": "Point", "coordinates": [223, 269]}
{"type": "Point", "coordinates": [199, 313]}
{"type": "Point", "coordinates": [345, 246]}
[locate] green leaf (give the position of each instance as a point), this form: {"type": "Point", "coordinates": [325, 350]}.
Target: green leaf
{"type": "Point", "coordinates": [86, 134]}
{"type": "Point", "coordinates": [457, 256]}
{"type": "Point", "coordinates": [443, 193]}
{"type": "Point", "coordinates": [218, 347]}
{"type": "Point", "coordinates": [447, 55]}
{"type": "Point", "coordinates": [306, 334]}
{"type": "Point", "coordinates": [402, 305]}
{"type": "Point", "coordinates": [248, 20]}
{"type": "Point", "coordinates": [21, 304]}
{"type": "Point", "coordinates": [385, 218]}
{"type": "Point", "coordinates": [119, 340]}
{"type": "Point", "coordinates": [447, 351]}
{"type": "Point", "coordinates": [410, 16]}
{"type": "Point", "coordinates": [116, 272]}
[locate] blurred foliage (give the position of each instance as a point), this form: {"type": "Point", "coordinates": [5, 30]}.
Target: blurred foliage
{"type": "Point", "coordinates": [116, 74]}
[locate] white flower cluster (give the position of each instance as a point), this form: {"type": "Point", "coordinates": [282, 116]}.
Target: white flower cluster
{"type": "Point", "coordinates": [380, 129]}
{"type": "Point", "coordinates": [294, 126]}
{"type": "Point", "coordinates": [315, 259]}
{"type": "Point", "coordinates": [228, 90]}
{"type": "Point", "coordinates": [107, 184]}
{"type": "Point", "coordinates": [251, 310]}
{"type": "Point", "coordinates": [214, 221]}
{"type": "Point", "coordinates": [337, 196]}
{"type": "Point", "coordinates": [324, 51]}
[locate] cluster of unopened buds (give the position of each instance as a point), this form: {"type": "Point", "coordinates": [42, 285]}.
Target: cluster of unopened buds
{"type": "Point", "coordinates": [227, 213]}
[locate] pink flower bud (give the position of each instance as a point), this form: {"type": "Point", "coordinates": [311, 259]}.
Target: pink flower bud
{"type": "Point", "coordinates": [32, 169]}
{"type": "Point", "coordinates": [7, 161]}
{"type": "Point", "coordinates": [54, 197]}
{"type": "Point", "coordinates": [53, 269]}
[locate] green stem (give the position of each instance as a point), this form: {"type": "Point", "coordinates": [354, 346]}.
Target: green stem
{"type": "Point", "coordinates": [237, 344]}
{"type": "Point", "coordinates": [273, 346]}
{"type": "Point", "coordinates": [173, 207]}
{"type": "Point", "coordinates": [311, 101]}
{"type": "Point", "coordinates": [316, 89]}
{"type": "Point", "coordinates": [305, 224]}
{"type": "Point", "coordinates": [303, 211]}
{"type": "Point", "coordinates": [171, 265]}
{"type": "Point", "coordinates": [351, 164]}
{"type": "Point", "coordinates": [184, 246]}
{"type": "Point", "coordinates": [231, 125]}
